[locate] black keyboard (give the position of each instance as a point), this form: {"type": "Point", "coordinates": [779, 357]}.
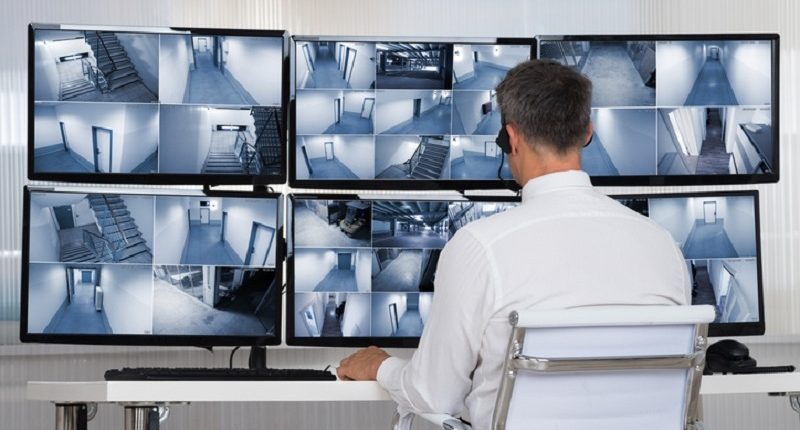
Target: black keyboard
{"type": "Point", "coordinates": [216, 374]}
{"type": "Point", "coordinates": [763, 369]}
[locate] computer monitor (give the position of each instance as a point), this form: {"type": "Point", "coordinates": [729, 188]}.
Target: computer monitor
{"type": "Point", "coordinates": [678, 109]}
{"type": "Point", "coordinates": [399, 113]}
{"type": "Point", "coordinates": [718, 233]}
{"type": "Point", "coordinates": [360, 271]}
{"type": "Point", "coordinates": [133, 268]}
{"type": "Point", "coordinates": [157, 105]}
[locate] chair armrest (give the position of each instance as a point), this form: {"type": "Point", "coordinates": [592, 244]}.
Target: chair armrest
{"type": "Point", "coordinates": [446, 422]}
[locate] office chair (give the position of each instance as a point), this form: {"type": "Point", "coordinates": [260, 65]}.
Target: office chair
{"type": "Point", "coordinates": [599, 368]}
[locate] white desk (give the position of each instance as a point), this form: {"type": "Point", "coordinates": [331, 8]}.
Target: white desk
{"type": "Point", "coordinates": [142, 398]}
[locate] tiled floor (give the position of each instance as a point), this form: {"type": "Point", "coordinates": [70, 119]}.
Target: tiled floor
{"type": "Point", "coordinates": [338, 280]}
{"type": "Point", "coordinates": [410, 240]}
{"type": "Point", "coordinates": [331, 325]}
{"type": "Point", "coordinates": [433, 121]}
{"type": "Point", "coordinates": [326, 72]}
{"type": "Point", "coordinates": [203, 246]}
{"type": "Point", "coordinates": [60, 161]}
{"type": "Point", "coordinates": [486, 77]}
{"type": "Point", "coordinates": [410, 324]}
{"type": "Point", "coordinates": [331, 169]}
{"type": "Point", "coordinates": [312, 231]}
{"type": "Point", "coordinates": [714, 158]}
{"type": "Point", "coordinates": [351, 123]}
{"type": "Point", "coordinates": [393, 172]}
{"type": "Point", "coordinates": [208, 85]}
{"type": "Point", "coordinates": [410, 79]}
{"type": "Point", "coordinates": [175, 312]}
{"type": "Point", "coordinates": [489, 125]}
{"type": "Point", "coordinates": [709, 241]}
{"type": "Point", "coordinates": [402, 274]}
{"type": "Point", "coordinates": [711, 87]}
{"type": "Point", "coordinates": [616, 82]}
{"type": "Point", "coordinates": [80, 316]}
{"type": "Point", "coordinates": [475, 165]}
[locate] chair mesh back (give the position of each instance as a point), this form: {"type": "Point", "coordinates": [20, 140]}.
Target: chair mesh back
{"type": "Point", "coordinates": [600, 400]}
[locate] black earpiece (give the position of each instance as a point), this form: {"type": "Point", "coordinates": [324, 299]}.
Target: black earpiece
{"type": "Point", "coordinates": [591, 138]}
{"type": "Point", "coordinates": [503, 140]}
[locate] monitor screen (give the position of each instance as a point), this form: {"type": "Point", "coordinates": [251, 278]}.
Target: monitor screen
{"type": "Point", "coordinates": [157, 105]}
{"type": "Point", "coordinates": [170, 269]}
{"type": "Point", "coordinates": [361, 271]}
{"type": "Point", "coordinates": [678, 109]}
{"type": "Point", "coordinates": [419, 114]}
{"type": "Point", "coordinates": [718, 234]}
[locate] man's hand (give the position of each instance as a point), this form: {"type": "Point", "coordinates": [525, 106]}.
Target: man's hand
{"type": "Point", "coordinates": [363, 365]}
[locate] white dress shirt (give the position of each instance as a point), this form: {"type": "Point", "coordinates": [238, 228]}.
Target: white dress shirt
{"type": "Point", "coordinates": [567, 245]}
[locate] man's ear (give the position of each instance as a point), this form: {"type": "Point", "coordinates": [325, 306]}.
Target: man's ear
{"type": "Point", "coordinates": [513, 138]}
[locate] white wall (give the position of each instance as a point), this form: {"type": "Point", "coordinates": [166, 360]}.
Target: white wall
{"type": "Point", "coordinates": [381, 323]}
{"type": "Point", "coordinates": [678, 64]}
{"type": "Point", "coordinates": [142, 209]}
{"type": "Point", "coordinates": [364, 71]}
{"type": "Point", "coordinates": [175, 57]}
{"type": "Point", "coordinates": [78, 120]}
{"type": "Point", "coordinates": [317, 302]}
{"type": "Point", "coordinates": [317, 107]}
{"type": "Point", "coordinates": [425, 300]}
{"type": "Point", "coordinates": [128, 297]}
{"type": "Point", "coordinates": [183, 149]}
{"type": "Point", "coordinates": [396, 106]}
{"type": "Point", "coordinates": [171, 229]}
{"type": "Point", "coordinates": [47, 83]}
{"type": "Point", "coordinates": [364, 270]}
{"type": "Point", "coordinates": [312, 265]}
{"type": "Point", "coordinates": [353, 100]}
{"type": "Point", "coordinates": [241, 215]}
{"type": "Point", "coordinates": [219, 116]}
{"type": "Point", "coordinates": [467, 104]}
{"type": "Point", "coordinates": [746, 273]}
{"type": "Point", "coordinates": [749, 67]}
{"type": "Point", "coordinates": [629, 137]}
{"type": "Point", "coordinates": [140, 138]}
{"type": "Point", "coordinates": [677, 215]}
{"type": "Point", "coordinates": [740, 225]}
{"type": "Point", "coordinates": [504, 57]}
{"type": "Point", "coordinates": [390, 150]}
{"type": "Point", "coordinates": [257, 63]}
{"type": "Point", "coordinates": [45, 245]}
{"type": "Point", "coordinates": [142, 50]}
{"type": "Point", "coordinates": [82, 213]}
{"type": "Point", "coordinates": [463, 63]}
{"type": "Point", "coordinates": [47, 291]}
{"type": "Point", "coordinates": [355, 321]}
{"type": "Point", "coordinates": [46, 130]}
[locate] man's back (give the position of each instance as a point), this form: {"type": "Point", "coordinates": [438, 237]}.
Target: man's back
{"type": "Point", "coordinates": [566, 246]}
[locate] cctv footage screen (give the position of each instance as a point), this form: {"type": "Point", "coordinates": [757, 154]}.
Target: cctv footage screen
{"type": "Point", "coordinates": [156, 105]}
{"type": "Point", "coordinates": [161, 265]}
{"type": "Point", "coordinates": [400, 111]}
{"type": "Point", "coordinates": [718, 235]}
{"type": "Point", "coordinates": [677, 109]}
{"type": "Point", "coordinates": [365, 268]}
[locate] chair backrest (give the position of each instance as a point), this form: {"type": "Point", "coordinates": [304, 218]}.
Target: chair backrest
{"type": "Point", "coordinates": [609, 367]}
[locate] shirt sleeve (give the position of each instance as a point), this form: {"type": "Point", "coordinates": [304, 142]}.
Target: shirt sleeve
{"type": "Point", "coordinates": [439, 375]}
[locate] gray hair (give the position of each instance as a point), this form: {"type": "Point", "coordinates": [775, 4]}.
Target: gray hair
{"type": "Point", "coordinates": [549, 103]}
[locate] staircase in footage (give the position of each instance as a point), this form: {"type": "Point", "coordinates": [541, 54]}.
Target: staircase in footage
{"type": "Point", "coordinates": [429, 160]}
{"type": "Point", "coordinates": [119, 240]}
{"type": "Point", "coordinates": [111, 70]}
{"type": "Point", "coordinates": [241, 153]}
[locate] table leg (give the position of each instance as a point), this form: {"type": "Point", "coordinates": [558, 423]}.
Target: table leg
{"type": "Point", "coordinates": [142, 417]}
{"type": "Point", "coordinates": [71, 416]}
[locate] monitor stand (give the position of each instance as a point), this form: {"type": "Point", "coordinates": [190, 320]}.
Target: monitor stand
{"type": "Point", "coordinates": [258, 357]}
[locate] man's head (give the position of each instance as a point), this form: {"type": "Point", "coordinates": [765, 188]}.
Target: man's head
{"type": "Point", "coordinates": [546, 110]}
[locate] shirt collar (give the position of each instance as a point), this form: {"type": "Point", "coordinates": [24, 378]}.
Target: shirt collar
{"type": "Point", "coordinates": [555, 181]}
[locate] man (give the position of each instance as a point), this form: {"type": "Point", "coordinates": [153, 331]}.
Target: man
{"type": "Point", "coordinates": [567, 245]}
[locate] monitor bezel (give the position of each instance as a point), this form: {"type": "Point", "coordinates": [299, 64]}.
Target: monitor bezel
{"type": "Point", "coordinates": [151, 339]}
{"type": "Point", "coordinates": [384, 184]}
{"type": "Point", "coordinates": [386, 342]}
{"type": "Point", "coordinates": [727, 179]}
{"type": "Point", "coordinates": [158, 178]}
{"type": "Point", "coordinates": [756, 328]}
